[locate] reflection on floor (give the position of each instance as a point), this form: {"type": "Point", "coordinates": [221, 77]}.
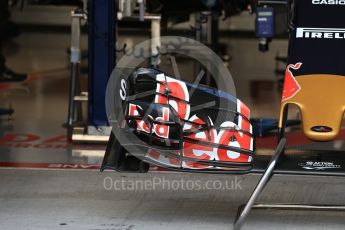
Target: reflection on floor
{"type": "Point", "coordinates": [34, 135]}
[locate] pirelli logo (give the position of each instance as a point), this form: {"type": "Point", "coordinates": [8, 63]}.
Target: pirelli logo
{"type": "Point", "coordinates": [320, 33]}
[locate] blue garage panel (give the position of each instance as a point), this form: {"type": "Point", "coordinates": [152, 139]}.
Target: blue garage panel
{"type": "Point", "coordinates": [102, 26]}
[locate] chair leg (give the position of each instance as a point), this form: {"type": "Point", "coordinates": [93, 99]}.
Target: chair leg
{"type": "Point", "coordinates": [242, 214]}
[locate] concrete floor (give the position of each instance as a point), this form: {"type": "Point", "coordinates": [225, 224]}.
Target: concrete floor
{"type": "Point", "coordinates": [47, 199]}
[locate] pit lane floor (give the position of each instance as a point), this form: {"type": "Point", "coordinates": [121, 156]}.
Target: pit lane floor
{"type": "Point", "coordinates": [73, 199]}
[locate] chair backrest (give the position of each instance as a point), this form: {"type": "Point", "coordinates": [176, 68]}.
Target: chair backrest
{"type": "Point", "coordinates": [315, 75]}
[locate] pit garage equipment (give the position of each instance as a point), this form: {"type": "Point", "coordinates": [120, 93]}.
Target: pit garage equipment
{"type": "Point", "coordinates": [102, 17]}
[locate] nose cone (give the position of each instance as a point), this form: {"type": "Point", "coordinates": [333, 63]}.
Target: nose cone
{"type": "Point", "coordinates": [321, 122]}
{"type": "Point", "coordinates": [321, 101]}
{"type": "Point", "coordinates": [321, 136]}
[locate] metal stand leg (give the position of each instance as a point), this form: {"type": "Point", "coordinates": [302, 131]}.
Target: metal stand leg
{"type": "Point", "coordinates": [242, 214]}
{"type": "Point", "coordinates": [77, 16]}
{"type": "Point", "coordinates": [73, 86]}
{"type": "Point", "coordinates": [79, 107]}
{"type": "Point", "coordinates": [155, 40]}
{"type": "Point", "coordinates": [302, 207]}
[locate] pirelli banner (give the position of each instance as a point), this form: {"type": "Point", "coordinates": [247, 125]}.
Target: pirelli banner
{"type": "Point", "coordinates": [318, 37]}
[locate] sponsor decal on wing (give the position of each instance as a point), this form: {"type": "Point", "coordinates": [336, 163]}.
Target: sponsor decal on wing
{"type": "Point", "coordinates": [199, 150]}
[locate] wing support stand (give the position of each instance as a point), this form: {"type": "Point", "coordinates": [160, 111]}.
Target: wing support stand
{"type": "Point", "coordinates": [243, 214]}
